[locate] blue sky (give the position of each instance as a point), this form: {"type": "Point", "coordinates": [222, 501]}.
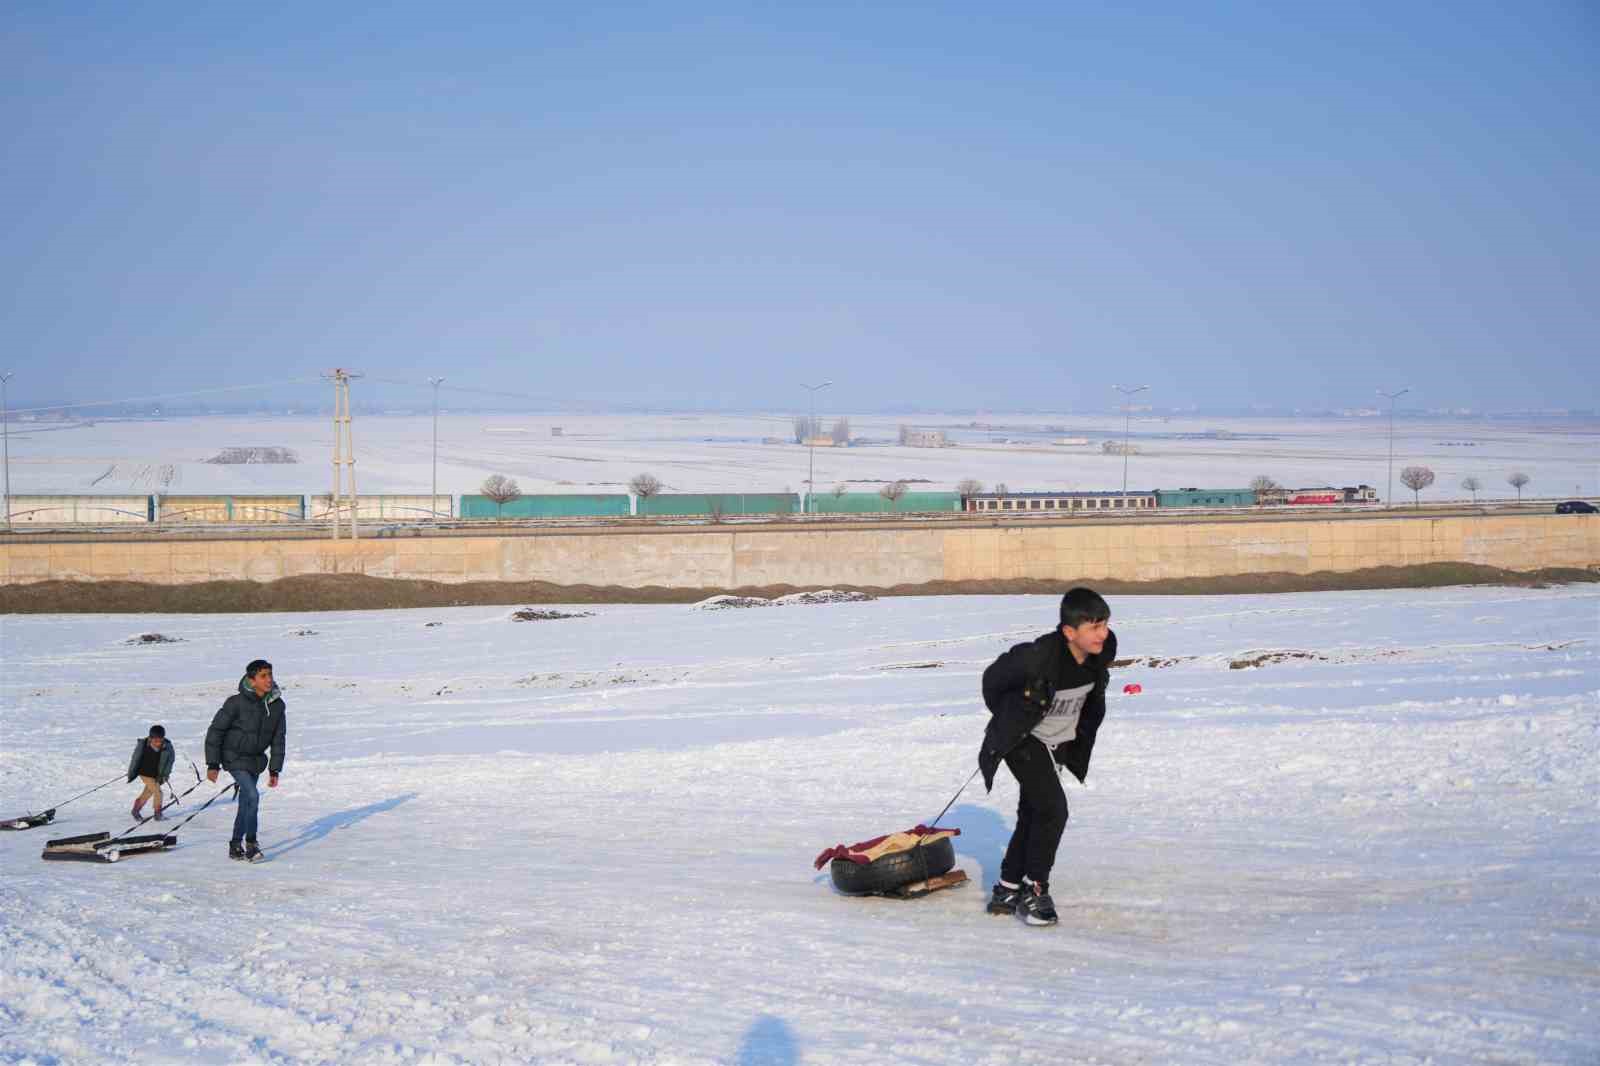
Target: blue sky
{"type": "Point", "coordinates": [940, 205]}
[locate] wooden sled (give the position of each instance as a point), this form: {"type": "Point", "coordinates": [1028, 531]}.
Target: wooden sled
{"type": "Point", "coordinates": [100, 847]}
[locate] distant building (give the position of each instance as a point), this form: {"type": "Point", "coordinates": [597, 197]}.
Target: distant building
{"type": "Point", "coordinates": [555, 431]}
{"type": "Point", "coordinates": [819, 442]}
{"type": "Point", "coordinates": [912, 437]}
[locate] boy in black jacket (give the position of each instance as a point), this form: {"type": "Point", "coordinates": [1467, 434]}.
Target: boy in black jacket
{"type": "Point", "coordinates": [1046, 700]}
{"type": "Point", "coordinates": [250, 723]}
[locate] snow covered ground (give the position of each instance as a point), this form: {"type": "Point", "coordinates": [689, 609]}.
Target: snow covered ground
{"type": "Point", "coordinates": [700, 453]}
{"type": "Point", "coordinates": [589, 840]}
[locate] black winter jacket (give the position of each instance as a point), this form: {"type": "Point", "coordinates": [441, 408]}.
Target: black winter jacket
{"type": "Point", "coordinates": [1019, 687]}
{"type": "Point", "coordinates": [167, 755]}
{"type": "Point", "coordinates": [244, 729]}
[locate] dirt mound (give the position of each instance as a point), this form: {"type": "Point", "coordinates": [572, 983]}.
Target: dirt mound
{"type": "Point", "coordinates": [356, 592]}
{"type": "Point", "coordinates": [1251, 660]}
{"type": "Point", "coordinates": [533, 614]}
{"type": "Point", "coordinates": [153, 638]}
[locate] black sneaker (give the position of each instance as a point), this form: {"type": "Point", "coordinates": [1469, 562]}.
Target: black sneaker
{"type": "Point", "coordinates": [252, 853]}
{"type": "Point", "coordinates": [1004, 900]}
{"type": "Point", "coordinates": [1036, 907]}
{"type": "Point", "coordinates": [234, 850]}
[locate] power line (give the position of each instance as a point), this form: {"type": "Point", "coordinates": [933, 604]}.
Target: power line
{"type": "Point", "coordinates": [165, 396]}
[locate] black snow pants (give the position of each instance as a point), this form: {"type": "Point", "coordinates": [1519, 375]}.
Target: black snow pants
{"type": "Point", "coordinates": [1041, 814]}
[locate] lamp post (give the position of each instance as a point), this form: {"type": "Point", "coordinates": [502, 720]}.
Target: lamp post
{"type": "Point", "coordinates": [811, 451]}
{"type": "Point", "coordinates": [1388, 494]}
{"type": "Point", "coordinates": [5, 429]}
{"type": "Point", "coordinates": [1128, 391]}
{"type": "Point", "coordinates": [433, 500]}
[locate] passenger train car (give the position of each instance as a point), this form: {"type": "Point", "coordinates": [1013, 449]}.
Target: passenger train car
{"type": "Point", "coordinates": [41, 512]}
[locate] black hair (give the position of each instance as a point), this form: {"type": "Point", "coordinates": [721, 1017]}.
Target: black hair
{"type": "Point", "coordinates": [256, 666]}
{"type": "Point", "coordinates": [158, 731]}
{"type": "Point", "coordinates": [1082, 605]}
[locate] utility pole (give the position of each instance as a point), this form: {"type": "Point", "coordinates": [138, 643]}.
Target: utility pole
{"type": "Point", "coordinates": [1388, 494]}
{"type": "Point", "coordinates": [433, 500]}
{"type": "Point", "coordinates": [344, 451]}
{"type": "Point", "coordinates": [811, 450]}
{"type": "Point", "coordinates": [1128, 392]}
{"type": "Point", "coordinates": [5, 428]}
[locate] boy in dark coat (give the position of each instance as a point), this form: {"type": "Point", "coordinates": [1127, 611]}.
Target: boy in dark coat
{"type": "Point", "coordinates": [250, 722]}
{"type": "Point", "coordinates": [1046, 700]}
{"type": "Point", "coordinates": [152, 764]}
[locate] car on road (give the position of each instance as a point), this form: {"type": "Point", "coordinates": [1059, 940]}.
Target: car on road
{"type": "Point", "coordinates": [1575, 507]}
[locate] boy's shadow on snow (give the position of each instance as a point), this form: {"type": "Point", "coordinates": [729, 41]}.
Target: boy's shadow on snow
{"type": "Point", "coordinates": [984, 836]}
{"type": "Point", "coordinates": [768, 1042]}
{"type": "Point", "coordinates": [343, 820]}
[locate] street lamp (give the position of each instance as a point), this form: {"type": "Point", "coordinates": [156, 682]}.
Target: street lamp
{"type": "Point", "coordinates": [1128, 391]}
{"type": "Point", "coordinates": [1393, 396]}
{"type": "Point", "coordinates": [433, 500]}
{"type": "Point", "coordinates": [811, 451]}
{"type": "Point", "coordinates": [5, 430]}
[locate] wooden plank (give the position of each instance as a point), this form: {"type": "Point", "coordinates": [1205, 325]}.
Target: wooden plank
{"type": "Point", "coordinates": [917, 889]}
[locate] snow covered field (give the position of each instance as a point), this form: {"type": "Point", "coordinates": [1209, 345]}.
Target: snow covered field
{"type": "Point", "coordinates": [699, 453]}
{"type": "Point", "coordinates": [589, 840]}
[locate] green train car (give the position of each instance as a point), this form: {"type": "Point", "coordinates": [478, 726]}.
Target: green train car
{"type": "Point", "coordinates": [1205, 497]}
{"type": "Point", "coordinates": [874, 503]}
{"type": "Point", "coordinates": [559, 505]}
{"type": "Point", "coordinates": [718, 504]}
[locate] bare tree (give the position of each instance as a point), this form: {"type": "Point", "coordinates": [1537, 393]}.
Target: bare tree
{"type": "Point", "coordinates": [1264, 488]}
{"type": "Point", "coordinates": [1472, 485]}
{"type": "Point", "coordinates": [644, 486]}
{"type": "Point", "coordinates": [806, 427]}
{"type": "Point", "coordinates": [1516, 480]}
{"type": "Point", "coordinates": [893, 492]}
{"type": "Point", "coordinates": [1001, 488]}
{"type": "Point", "coordinates": [1416, 478]}
{"type": "Point", "coordinates": [839, 490]}
{"type": "Point", "coordinates": [501, 489]}
{"type": "Point", "coordinates": [970, 486]}
{"type": "Point", "coordinates": [717, 509]}
{"type": "Point", "coordinates": [841, 432]}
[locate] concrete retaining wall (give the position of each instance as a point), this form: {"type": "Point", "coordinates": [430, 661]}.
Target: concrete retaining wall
{"type": "Point", "coordinates": [873, 557]}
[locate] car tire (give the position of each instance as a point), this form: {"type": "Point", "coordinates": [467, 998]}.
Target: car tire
{"type": "Point", "coordinates": [888, 872]}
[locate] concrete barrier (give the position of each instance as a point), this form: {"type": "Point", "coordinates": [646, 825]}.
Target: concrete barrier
{"type": "Point", "coordinates": [717, 557]}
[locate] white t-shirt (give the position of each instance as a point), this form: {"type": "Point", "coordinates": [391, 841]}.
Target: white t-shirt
{"type": "Point", "coordinates": [1060, 722]}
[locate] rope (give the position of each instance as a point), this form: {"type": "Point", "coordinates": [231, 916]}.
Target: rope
{"type": "Point", "coordinates": [169, 832]}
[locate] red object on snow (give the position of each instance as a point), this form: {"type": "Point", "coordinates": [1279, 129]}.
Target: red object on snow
{"type": "Point", "coordinates": [1132, 690]}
